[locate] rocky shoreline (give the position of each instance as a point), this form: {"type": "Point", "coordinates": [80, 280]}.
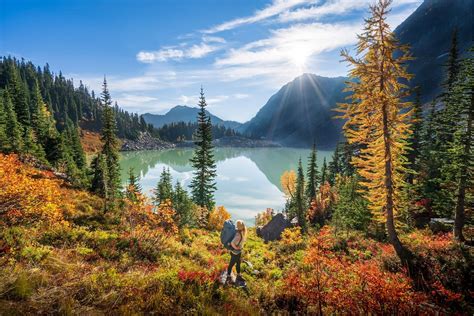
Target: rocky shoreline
{"type": "Point", "coordinates": [145, 142]}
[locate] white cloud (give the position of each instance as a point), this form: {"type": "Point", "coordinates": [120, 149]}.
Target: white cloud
{"type": "Point", "coordinates": [241, 96]}
{"type": "Point", "coordinates": [160, 55]}
{"type": "Point", "coordinates": [275, 8]}
{"type": "Point", "coordinates": [183, 51]}
{"type": "Point", "coordinates": [334, 7]}
{"type": "Point", "coordinates": [287, 49]}
{"type": "Point", "coordinates": [213, 39]}
{"type": "Point", "coordinates": [199, 51]}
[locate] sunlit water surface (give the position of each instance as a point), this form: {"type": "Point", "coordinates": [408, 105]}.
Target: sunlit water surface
{"type": "Point", "coordinates": [248, 179]}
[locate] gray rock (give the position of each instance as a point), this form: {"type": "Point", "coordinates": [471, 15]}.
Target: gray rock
{"type": "Point", "coordinates": [273, 229]}
{"type": "Point", "coordinates": [145, 141]}
{"type": "Point", "coordinates": [441, 225]}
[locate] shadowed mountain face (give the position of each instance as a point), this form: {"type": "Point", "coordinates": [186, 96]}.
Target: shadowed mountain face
{"type": "Point", "coordinates": [183, 113]}
{"type": "Point", "coordinates": [301, 113]}
{"type": "Point", "coordinates": [428, 31]}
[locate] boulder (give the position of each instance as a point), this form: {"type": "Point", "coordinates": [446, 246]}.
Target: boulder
{"type": "Point", "coordinates": [273, 229]}
{"type": "Point", "coordinates": [441, 225]}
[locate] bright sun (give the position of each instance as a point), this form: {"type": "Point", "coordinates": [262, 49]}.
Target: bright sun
{"type": "Point", "coordinates": [298, 55]}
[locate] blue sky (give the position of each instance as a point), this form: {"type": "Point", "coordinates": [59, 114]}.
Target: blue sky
{"type": "Point", "coordinates": [157, 54]}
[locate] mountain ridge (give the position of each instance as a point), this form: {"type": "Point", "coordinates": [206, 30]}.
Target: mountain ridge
{"type": "Point", "coordinates": [185, 113]}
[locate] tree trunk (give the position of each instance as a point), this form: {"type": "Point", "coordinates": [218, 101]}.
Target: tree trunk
{"type": "Point", "coordinates": [406, 257]}
{"type": "Point", "coordinates": [404, 254]}
{"type": "Point", "coordinates": [463, 178]}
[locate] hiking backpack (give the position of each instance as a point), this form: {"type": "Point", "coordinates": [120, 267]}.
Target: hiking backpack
{"type": "Point", "coordinates": [228, 233]}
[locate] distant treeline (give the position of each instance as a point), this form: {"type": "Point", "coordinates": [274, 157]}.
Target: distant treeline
{"type": "Point", "coordinates": [182, 131]}
{"type": "Point", "coordinates": [68, 104]}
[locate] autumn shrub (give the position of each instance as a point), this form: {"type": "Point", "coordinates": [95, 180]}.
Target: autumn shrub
{"type": "Point", "coordinates": [217, 218]}
{"type": "Point", "coordinates": [330, 283]}
{"type": "Point", "coordinates": [291, 240]}
{"type": "Point", "coordinates": [26, 196]}
{"type": "Point", "coordinates": [143, 243]}
{"type": "Point", "coordinates": [447, 267]}
{"type": "Point", "coordinates": [35, 254]}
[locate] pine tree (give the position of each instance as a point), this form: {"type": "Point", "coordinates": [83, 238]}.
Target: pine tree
{"type": "Point", "coordinates": [32, 146]}
{"type": "Point", "coordinates": [460, 150]}
{"type": "Point", "coordinates": [300, 202]}
{"type": "Point", "coordinates": [313, 175]}
{"type": "Point", "coordinates": [164, 188]}
{"type": "Point", "coordinates": [99, 176]}
{"type": "Point", "coordinates": [133, 189]}
{"type": "Point", "coordinates": [203, 184]}
{"type": "Point", "coordinates": [110, 149]}
{"type": "Point", "coordinates": [444, 129]}
{"type": "Point", "coordinates": [43, 122]}
{"type": "Point", "coordinates": [453, 66]}
{"type": "Point", "coordinates": [184, 206]}
{"type": "Point", "coordinates": [379, 120]}
{"type": "Point", "coordinates": [19, 95]}
{"type": "Point", "coordinates": [3, 125]}
{"type": "Point", "coordinates": [415, 138]}
{"type": "Point", "coordinates": [13, 128]}
{"type": "Point", "coordinates": [324, 172]}
{"type": "Point", "coordinates": [351, 211]}
{"type": "Point", "coordinates": [334, 166]}
{"type": "Point", "coordinates": [74, 142]}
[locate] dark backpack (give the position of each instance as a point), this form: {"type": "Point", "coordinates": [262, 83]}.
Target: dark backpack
{"type": "Point", "coordinates": [228, 233]}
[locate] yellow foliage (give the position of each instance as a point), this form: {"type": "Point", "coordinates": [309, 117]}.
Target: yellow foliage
{"type": "Point", "coordinates": [217, 218]}
{"type": "Point", "coordinates": [377, 118]}
{"type": "Point", "coordinates": [288, 182]}
{"type": "Point", "coordinates": [27, 195]}
{"type": "Point", "coordinates": [291, 236]}
{"type": "Point", "coordinates": [166, 214]}
{"type": "Point", "coordinates": [261, 219]}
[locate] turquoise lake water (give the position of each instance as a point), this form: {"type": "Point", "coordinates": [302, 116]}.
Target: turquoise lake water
{"type": "Point", "coordinates": [248, 179]}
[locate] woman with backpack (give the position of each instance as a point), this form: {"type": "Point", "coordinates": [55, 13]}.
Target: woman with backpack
{"type": "Point", "coordinates": [236, 246]}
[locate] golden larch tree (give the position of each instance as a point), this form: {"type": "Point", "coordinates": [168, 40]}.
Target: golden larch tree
{"type": "Point", "coordinates": [378, 119]}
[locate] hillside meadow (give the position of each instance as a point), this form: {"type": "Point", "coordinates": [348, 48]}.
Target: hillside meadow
{"type": "Point", "coordinates": [60, 254]}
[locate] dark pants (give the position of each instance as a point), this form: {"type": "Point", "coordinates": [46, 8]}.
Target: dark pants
{"type": "Point", "coordinates": [234, 260]}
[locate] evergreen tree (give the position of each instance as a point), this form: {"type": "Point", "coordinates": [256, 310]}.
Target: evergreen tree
{"type": "Point", "coordinates": [13, 128]}
{"type": "Point", "coordinates": [324, 172]}
{"type": "Point", "coordinates": [460, 152]}
{"type": "Point", "coordinates": [19, 95]}
{"type": "Point", "coordinates": [43, 121]}
{"type": "Point", "coordinates": [184, 206]}
{"type": "Point", "coordinates": [313, 175]}
{"type": "Point", "coordinates": [300, 201]}
{"type": "Point", "coordinates": [110, 149]}
{"type": "Point", "coordinates": [99, 176]}
{"type": "Point", "coordinates": [351, 210]}
{"type": "Point", "coordinates": [414, 141]}
{"type": "Point", "coordinates": [31, 145]}
{"type": "Point", "coordinates": [203, 184]}
{"type": "Point", "coordinates": [74, 141]}
{"type": "Point", "coordinates": [133, 189]}
{"type": "Point", "coordinates": [334, 166]}
{"type": "Point", "coordinates": [453, 66]}
{"type": "Point", "coordinates": [164, 188]}
{"type": "Point", "coordinates": [378, 119]}
{"type": "Point", "coordinates": [3, 125]}
{"type": "Point", "coordinates": [441, 176]}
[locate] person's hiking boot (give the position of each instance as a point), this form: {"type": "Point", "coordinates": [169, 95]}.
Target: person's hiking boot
{"type": "Point", "coordinates": [228, 279]}
{"type": "Point", "coordinates": [239, 279]}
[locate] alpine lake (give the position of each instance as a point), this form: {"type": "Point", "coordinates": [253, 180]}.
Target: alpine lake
{"type": "Point", "coordinates": [248, 179]}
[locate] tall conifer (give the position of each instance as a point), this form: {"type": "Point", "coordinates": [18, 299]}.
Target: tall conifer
{"type": "Point", "coordinates": [378, 119]}
{"type": "Point", "coordinates": [313, 175]}
{"type": "Point", "coordinates": [203, 184]}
